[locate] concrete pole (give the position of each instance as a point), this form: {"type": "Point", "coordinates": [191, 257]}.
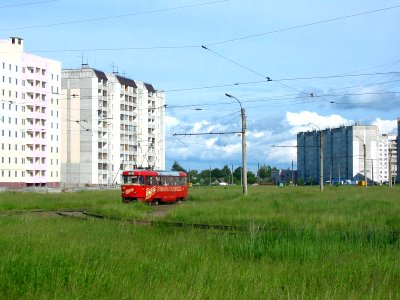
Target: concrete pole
{"type": "Point", "coordinates": [390, 167]}
{"type": "Point", "coordinates": [321, 159]}
{"type": "Point", "coordinates": [321, 163]}
{"type": "Point", "coordinates": [244, 156]}
{"type": "Point", "coordinates": [365, 165]}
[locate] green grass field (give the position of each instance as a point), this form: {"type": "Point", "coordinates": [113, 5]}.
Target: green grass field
{"type": "Point", "coordinates": [284, 243]}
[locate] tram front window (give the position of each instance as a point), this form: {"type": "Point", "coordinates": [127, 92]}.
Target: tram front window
{"type": "Point", "coordinates": [135, 180]}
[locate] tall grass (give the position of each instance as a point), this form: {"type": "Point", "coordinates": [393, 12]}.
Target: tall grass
{"type": "Point", "coordinates": [296, 243]}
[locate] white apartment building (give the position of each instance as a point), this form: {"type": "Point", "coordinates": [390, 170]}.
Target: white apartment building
{"type": "Point", "coordinates": [387, 158]}
{"type": "Point", "coordinates": [30, 129]}
{"type": "Point", "coordinates": [110, 123]}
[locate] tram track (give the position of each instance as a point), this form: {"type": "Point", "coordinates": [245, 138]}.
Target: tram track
{"type": "Point", "coordinates": [83, 214]}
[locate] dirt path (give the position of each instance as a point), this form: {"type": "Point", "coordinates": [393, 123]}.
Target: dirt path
{"type": "Point", "coordinates": [162, 210]}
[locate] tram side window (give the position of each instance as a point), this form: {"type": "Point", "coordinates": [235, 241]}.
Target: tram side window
{"type": "Point", "coordinates": [135, 180]}
{"type": "Point", "coordinates": [182, 180]}
{"type": "Point", "coordinates": [149, 180]}
{"type": "Point", "coordinates": [164, 180]}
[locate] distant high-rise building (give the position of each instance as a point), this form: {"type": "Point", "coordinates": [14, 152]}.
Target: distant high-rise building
{"type": "Point", "coordinates": [398, 150]}
{"type": "Point", "coordinates": [349, 152]}
{"type": "Point", "coordinates": [29, 117]}
{"type": "Point", "coordinates": [387, 158]}
{"type": "Point", "coordinates": [110, 123]}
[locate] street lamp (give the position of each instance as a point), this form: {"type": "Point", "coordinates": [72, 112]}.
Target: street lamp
{"type": "Point", "coordinates": [365, 160]}
{"type": "Point", "coordinates": [321, 160]}
{"type": "Point", "coordinates": [244, 157]}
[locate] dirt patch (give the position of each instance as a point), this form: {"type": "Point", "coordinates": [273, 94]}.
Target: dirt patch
{"type": "Point", "coordinates": [162, 210]}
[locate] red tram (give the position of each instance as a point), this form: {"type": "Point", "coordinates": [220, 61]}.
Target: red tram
{"type": "Point", "coordinates": [154, 186]}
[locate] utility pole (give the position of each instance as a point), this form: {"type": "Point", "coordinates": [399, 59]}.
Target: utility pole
{"type": "Point", "coordinates": [244, 155]}
{"type": "Point", "coordinates": [210, 176]}
{"type": "Point", "coordinates": [365, 165]}
{"type": "Point", "coordinates": [321, 159]}
{"type": "Point", "coordinates": [372, 163]}
{"type": "Point", "coordinates": [232, 174]}
{"type": "Point", "coordinates": [321, 163]}
{"type": "Point", "coordinates": [365, 160]}
{"type": "Point", "coordinates": [390, 167]}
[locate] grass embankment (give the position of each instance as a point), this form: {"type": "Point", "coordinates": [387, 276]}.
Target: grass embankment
{"type": "Point", "coordinates": [297, 243]}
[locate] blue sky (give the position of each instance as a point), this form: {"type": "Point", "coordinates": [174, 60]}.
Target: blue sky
{"type": "Point", "coordinates": [348, 51]}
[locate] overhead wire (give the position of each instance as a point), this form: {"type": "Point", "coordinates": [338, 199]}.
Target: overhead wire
{"type": "Point", "coordinates": [116, 16]}
{"type": "Point", "coordinates": [303, 25]}
{"type": "Point", "coordinates": [27, 4]}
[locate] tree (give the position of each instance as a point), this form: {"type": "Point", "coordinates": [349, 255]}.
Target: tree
{"type": "Point", "coordinates": [237, 174]}
{"type": "Point", "coordinates": [226, 173]}
{"type": "Point", "coordinates": [193, 176]}
{"type": "Point", "coordinates": [251, 177]}
{"type": "Point", "coordinates": [217, 174]}
{"type": "Point", "coordinates": [177, 167]}
{"type": "Point", "coordinates": [205, 176]}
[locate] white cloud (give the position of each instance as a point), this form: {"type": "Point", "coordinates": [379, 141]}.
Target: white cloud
{"type": "Point", "coordinates": [302, 121]}
{"type": "Point", "coordinates": [198, 125]}
{"type": "Point", "coordinates": [171, 122]}
{"type": "Point", "coordinates": [255, 134]}
{"type": "Point", "coordinates": [385, 126]}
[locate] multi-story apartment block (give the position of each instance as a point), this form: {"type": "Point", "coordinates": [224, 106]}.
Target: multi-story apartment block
{"type": "Point", "coordinates": [398, 152]}
{"type": "Point", "coordinates": [348, 152]}
{"type": "Point", "coordinates": [110, 123]}
{"type": "Point", "coordinates": [29, 118]}
{"type": "Point", "coordinates": [387, 158]}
